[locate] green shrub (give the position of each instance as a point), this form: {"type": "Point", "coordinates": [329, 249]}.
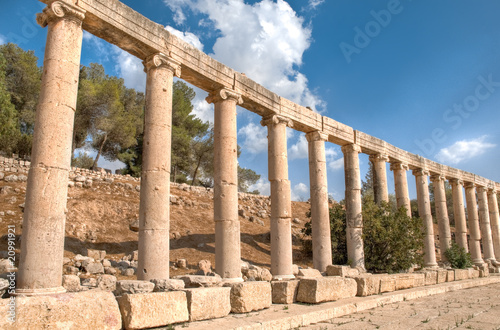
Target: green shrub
{"type": "Point", "coordinates": [458, 257]}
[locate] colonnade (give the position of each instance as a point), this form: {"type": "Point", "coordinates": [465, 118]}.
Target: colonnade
{"type": "Point", "coordinates": [40, 269]}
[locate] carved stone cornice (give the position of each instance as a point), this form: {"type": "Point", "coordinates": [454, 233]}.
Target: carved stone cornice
{"type": "Point", "coordinates": [378, 158]}
{"type": "Point", "coordinates": [58, 10]}
{"type": "Point", "coordinates": [420, 172]}
{"type": "Point", "coordinates": [316, 136]}
{"type": "Point", "coordinates": [438, 177]}
{"type": "Point", "coordinates": [224, 94]}
{"type": "Point", "coordinates": [456, 181]}
{"type": "Point", "coordinates": [399, 166]}
{"type": "Point", "coordinates": [161, 60]}
{"type": "Point", "coordinates": [275, 120]}
{"type": "Point", "coordinates": [351, 148]}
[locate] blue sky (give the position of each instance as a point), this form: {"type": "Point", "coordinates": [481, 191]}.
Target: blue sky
{"type": "Point", "coordinates": [422, 75]}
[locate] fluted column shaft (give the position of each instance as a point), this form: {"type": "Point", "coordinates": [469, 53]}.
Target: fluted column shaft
{"type": "Point", "coordinates": [484, 222]}
{"type": "Point", "coordinates": [424, 211]}
{"type": "Point", "coordinates": [154, 207]}
{"type": "Point", "coordinates": [320, 213]}
{"type": "Point", "coordinates": [442, 214]}
{"type": "Point", "coordinates": [459, 213]}
{"type": "Point", "coordinates": [473, 219]}
{"type": "Point", "coordinates": [281, 205]}
{"type": "Point", "coordinates": [380, 191]}
{"type": "Point", "coordinates": [355, 252]}
{"type": "Point", "coordinates": [495, 221]}
{"type": "Point", "coordinates": [227, 225]}
{"type": "Point", "coordinates": [42, 246]}
{"type": "Point", "coordinates": [401, 186]}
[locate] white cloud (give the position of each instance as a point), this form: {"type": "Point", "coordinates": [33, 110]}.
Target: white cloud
{"type": "Point", "coordinates": [300, 192]}
{"type": "Point", "coordinates": [332, 161]}
{"type": "Point", "coordinates": [265, 40]}
{"type": "Point", "coordinates": [131, 70]}
{"type": "Point", "coordinates": [464, 150]}
{"type": "Point", "coordinates": [300, 149]}
{"type": "Point", "coordinates": [176, 7]}
{"type": "Point", "coordinates": [262, 185]}
{"type": "Point", "coordinates": [254, 138]}
{"type": "Point", "coordinates": [100, 47]}
{"type": "Point", "coordinates": [315, 3]}
{"type": "Point", "coordinates": [188, 37]}
{"type": "Point", "coordinates": [203, 110]}
{"type": "Point", "coordinates": [3, 40]}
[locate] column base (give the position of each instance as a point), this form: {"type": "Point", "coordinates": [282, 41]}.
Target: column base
{"type": "Point", "coordinates": [39, 292]}
{"type": "Point", "coordinates": [232, 280]}
{"type": "Point", "coordinates": [431, 266]}
{"type": "Point", "coordinates": [283, 277]}
{"type": "Point", "coordinates": [478, 262]}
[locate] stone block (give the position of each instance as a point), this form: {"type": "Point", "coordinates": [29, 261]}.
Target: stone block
{"type": "Point", "coordinates": [208, 303]}
{"type": "Point", "coordinates": [199, 281]}
{"type": "Point", "coordinates": [97, 255]}
{"type": "Point", "coordinates": [156, 309]}
{"type": "Point", "coordinates": [317, 290]}
{"type": "Point", "coordinates": [418, 280]}
{"type": "Point", "coordinates": [367, 284]}
{"type": "Point", "coordinates": [82, 310]}
{"type": "Point", "coordinates": [343, 271]}
{"type": "Point", "coordinates": [451, 275]}
{"type": "Point", "coordinates": [442, 274]}
{"type": "Point", "coordinates": [461, 274]}
{"type": "Point", "coordinates": [403, 281]}
{"type": "Point", "coordinates": [473, 273]}
{"type": "Point", "coordinates": [387, 284]}
{"type": "Point", "coordinates": [284, 292]}
{"type": "Point", "coordinates": [250, 296]}
{"type": "Point", "coordinates": [71, 283]}
{"type": "Point", "coordinates": [132, 287]}
{"type": "Point", "coordinates": [167, 285]}
{"type": "Point", "coordinates": [106, 282]}
{"type": "Point", "coordinates": [430, 277]}
{"type": "Point", "coordinates": [309, 272]}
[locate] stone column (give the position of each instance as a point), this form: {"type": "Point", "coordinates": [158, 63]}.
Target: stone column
{"type": "Point", "coordinates": [401, 185]}
{"type": "Point", "coordinates": [355, 252]}
{"type": "Point", "coordinates": [442, 214]}
{"type": "Point", "coordinates": [281, 205]}
{"type": "Point", "coordinates": [154, 208]}
{"type": "Point", "coordinates": [42, 246]}
{"type": "Point", "coordinates": [227, 224]}
{"type": "Point", "coordinates": [320, 212]}
{"type": "Point", "coordinates": [459, 213]}
{"type": "Point", "coordinates": [495, 221]}
{"type": "Point", "coordinates": [475, 234]}
{"type": "Point", "coordinates": [484, 222]}
{"type": "Point", "coordinates": [424, 211]}
{"type": "Point", "coordinates": [380, 178]}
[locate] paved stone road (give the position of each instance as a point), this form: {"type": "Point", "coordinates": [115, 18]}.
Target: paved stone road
{"type": "Point", "coordinates": [475, 308]}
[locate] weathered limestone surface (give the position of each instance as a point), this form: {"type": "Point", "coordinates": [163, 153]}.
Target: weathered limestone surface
{"type": "Point", "coordinates": [442, 214]}
{"type": "Point", "coordinates": [44, 217]}
{"type": "Point", "coordinates": [380, 177]}
{"type": "Point", "coordinates": [343, 271]}
{"type": "Point", "coordinates": [132, 287]}
{"type": "Point", "coordinates": [197, 281]}
{"type": "Point", "coordinates": [424, 211]}
{"type": "Point", "coordinates": [285, 292]}
{"type": "Point", "coordinates": [309, 272]}
{"type": "Point", "coordinates": [320, 214]}
{"type": "Point", "coordinates": [281, 205]}
{"type": "Point", "coordinates": [387, 284]}
{"type": "Point", "coordinates": [461, 274]}
{"type": "Point", "coordinates": [367, 284]}
{"type": "Point", "coordinates": [83, 310]}
{"type": "Point", "coordinates": [484, 220]}
{"type": "Point", "coordinates": [401, 186]}
{"type": "Point", "coordinates": [475, 234]}
{"type": "Point", "coordinates": [250, 296]}
{"type": "Point", "coordinates": [317, 290]}
{"type": "Point", "coordinates": [208, 303]}
{"type": "Point", "coordinates": [442, 275]}
{"type": "Point", "coordinates": [354, 230]}
{"type": "Point", "coordinates": [154, 208]}
{"type": "Point", "coordinates": [459, 213]}
{"type": "Point", "coordinates": [430, 277]}
{"type": "Point", "coordinates": [149, 310]}
{"type": "Point", "coordinates": [227, 225]}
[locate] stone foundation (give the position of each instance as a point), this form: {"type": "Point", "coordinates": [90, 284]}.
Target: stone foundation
{"type": "Point", "coordinates": [250, 296]}
{"type": "Point", "coordinates": [284, 292]}
{"type": "Point", "coordinates": [208, 303]}
{"type": "Point", "coordinates": [317, 290]}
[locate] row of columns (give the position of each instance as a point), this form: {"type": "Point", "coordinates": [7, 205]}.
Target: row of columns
{"type": "Point", "coordinates": [40, 269]}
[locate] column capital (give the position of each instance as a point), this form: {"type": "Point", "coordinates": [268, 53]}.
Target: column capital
{"type": "Point", "coordinates": [481, 189]}
{"type": "Point", "coordinates": [492, 190]}
{"type": "Point", "coordinates": [275, 120]}
{"type": "Point", "coordinates": [399, 166]}
{"type": "Point", "coordinates": [351, 148]}
{"type": "Point", "coordinates": [224, 94]}
{"type": "Point", "coordinates": [420, 172]}
{"type": "Point", "coordinates": [159, 59]}
{"type": "Point", "coordinates": [58, 10]}
{"type": "Point", "coordinates": [379, 158]}
{"type": "Point", "coordinates": [470, 185]}
{"type": "Point", "coordinates": [316, 136]}
{"type": "Point", "coordinates": [456, 181]}
{"type": "Point", "coordinates": [438, 177]}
